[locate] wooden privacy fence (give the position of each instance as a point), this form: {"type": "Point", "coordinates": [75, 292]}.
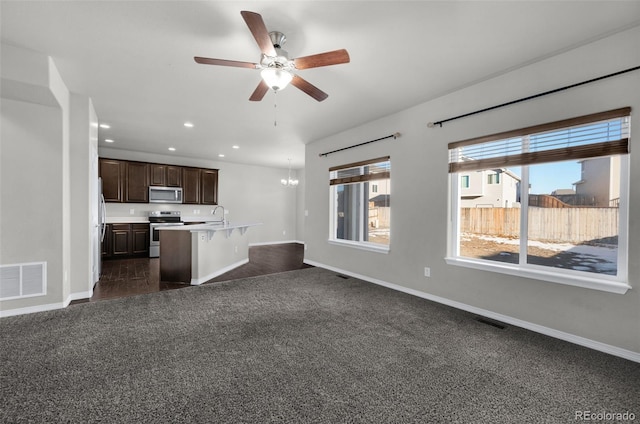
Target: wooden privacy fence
{"type": "Point", "coordinates": [573, 225]}
{"type": "Point", "coordinates": [379, 217]}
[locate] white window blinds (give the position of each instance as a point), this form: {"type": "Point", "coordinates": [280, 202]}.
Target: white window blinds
{"type": "Point", "coordinates": [600, 134]}
{"type": "Point", "coordinates": [369, 170]}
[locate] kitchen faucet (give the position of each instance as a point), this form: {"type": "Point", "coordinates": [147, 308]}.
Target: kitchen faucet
{"type": "Point", "coordinates": [213, 212]}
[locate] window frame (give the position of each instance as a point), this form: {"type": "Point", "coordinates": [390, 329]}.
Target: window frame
{"type": "Point", "coordinates": [608, 283]}
{"type": "Point", "coordinates": [363, 181]}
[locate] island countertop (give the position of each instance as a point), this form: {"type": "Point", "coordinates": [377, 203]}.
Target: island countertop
{"type": "Point", "coordinates": [211, 226]}
{"type": "Point", "coordinates": [194, 254]}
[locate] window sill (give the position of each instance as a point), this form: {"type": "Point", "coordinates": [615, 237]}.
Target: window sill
{"type": "Point", "coordinates": [378, 248]}
{"type": "Point", "coordinates": [552, 275]}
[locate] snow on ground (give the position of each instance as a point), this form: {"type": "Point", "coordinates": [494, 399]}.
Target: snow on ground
{"type": "Point", "coordinates": [599, 259]}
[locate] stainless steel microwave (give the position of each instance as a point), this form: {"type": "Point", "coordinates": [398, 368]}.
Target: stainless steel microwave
{"type": "Point", "coordinates": [165, 194]}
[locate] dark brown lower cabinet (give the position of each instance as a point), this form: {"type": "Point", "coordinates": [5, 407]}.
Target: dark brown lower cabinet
{"type": "Point", "coordinates": [123, 240]}
{"type": "Point", "coordinates": [140, 239]}
{"type": "Point", "coordinates": [107, 250]}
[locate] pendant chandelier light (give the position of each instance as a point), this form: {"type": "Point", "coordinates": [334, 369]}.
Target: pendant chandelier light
{"type": "Point", "coordinates": [289, 182]}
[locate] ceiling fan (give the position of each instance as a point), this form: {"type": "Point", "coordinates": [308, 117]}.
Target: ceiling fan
{"type": "Point", "coordinates": [277, 70]}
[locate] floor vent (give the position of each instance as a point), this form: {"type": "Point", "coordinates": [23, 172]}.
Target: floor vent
{"type": "Point", "coordinates": [23, 280]}
{"type": "Point", "coordinates": [491, 322]}
{"type": "Point", "coordinates": [344, 277]}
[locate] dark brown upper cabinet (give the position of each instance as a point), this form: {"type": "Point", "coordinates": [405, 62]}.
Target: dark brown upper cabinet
{"type": "Point", "coordinates": [209, 186]}
{"type": "Point", "coordinates": [166, 175]}
{"type": "Point", "coordinates": [191, 185]}
{"type": "Point", "coordinates": [129, 181]}
{"type": "Point", "coordinates": [137, 183]}
{"type": "Point", "coordinates": [112, 173]}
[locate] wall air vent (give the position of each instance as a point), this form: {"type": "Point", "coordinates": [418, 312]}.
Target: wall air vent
{"type": "Point", "coordinates": [23, 280]}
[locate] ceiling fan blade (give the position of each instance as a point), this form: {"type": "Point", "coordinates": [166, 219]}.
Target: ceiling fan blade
{"type": "Point", "coordinates": [223, 62]}
{"type": "Point", "coordinates": [259, 92]}
{"type": "Point", "coordinates": [259, 30]}
{"type": "Point", "coordinates": [323, 59]}
{"type": "Point", "coordinates": [309, 88]}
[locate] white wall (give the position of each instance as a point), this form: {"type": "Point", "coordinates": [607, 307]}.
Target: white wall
{"type": "Point", "coordinates": [300, 204]}
{"type": "Point", "coordinates": [35, 138]}
{"type": "Point", "coordinates": [83, 197]}
{"type": "Point", "coordinates": [419, 219]}
{"type": "Point", "coordinates": [249, 193]}
{"type": "Point", "coordinates": [46, 133]}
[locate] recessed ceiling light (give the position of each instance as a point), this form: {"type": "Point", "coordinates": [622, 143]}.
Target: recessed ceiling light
{"type": "Point", "coordinates": [173, 149]}
{"type": "Point", "coordinates": [188, 124]}
{"type": "Point", "coordinates": [235, 147]}
{"type": "Point", "coordinates": [105, 126]}
{"type": "Point", "coordinates": [108, 140]}
{"type": "Point", "coordinates": [220, 155]}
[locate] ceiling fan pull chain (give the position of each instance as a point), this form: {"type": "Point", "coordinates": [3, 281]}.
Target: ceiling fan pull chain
{"type": "Point", "coordinates": [275, 108]}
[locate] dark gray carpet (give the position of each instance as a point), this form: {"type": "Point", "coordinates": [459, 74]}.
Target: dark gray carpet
{"type": "Point", "coordinates": [297, 347]}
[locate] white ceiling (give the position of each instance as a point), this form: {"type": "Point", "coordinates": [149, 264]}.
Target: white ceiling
{"type": "Point", "coordinates": [135, 60]}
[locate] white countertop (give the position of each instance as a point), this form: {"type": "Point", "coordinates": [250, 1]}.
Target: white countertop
{"type": "Point", "coordinates": [127, 220]}
{"type": "Point", "coordinates": [210, 227]}
{"type": "Point", "coordinates": [145, 220]}
{"type": "Point", "coordinates": [197, 218]}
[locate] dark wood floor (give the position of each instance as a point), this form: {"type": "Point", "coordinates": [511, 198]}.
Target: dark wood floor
{"type": "Point", "coordinates": [128, 277]}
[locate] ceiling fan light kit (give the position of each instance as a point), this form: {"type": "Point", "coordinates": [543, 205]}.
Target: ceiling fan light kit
{"type": "Point", "coordinates": [276, 78]}
{"type": "Point", "coordinates": [277, 70]}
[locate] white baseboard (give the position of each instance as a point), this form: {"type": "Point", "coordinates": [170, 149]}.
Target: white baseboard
{"type": "Point", "coordinates": [47, 307]}
{"type": "Point", "coordinates": [269, 243]}
{"type": "Point", "coordinates": [78, 296]}
{"type": "Point", "coordinates": [32, 309]}
{"type": "Point", "coordinates": [201, 280]}
{"type": "Point", "coordinates": [572, 338]}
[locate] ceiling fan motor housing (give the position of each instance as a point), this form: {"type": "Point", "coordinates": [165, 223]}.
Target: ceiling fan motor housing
{"type": "Point", "coordinates": [277, 39]}
{"type": "Point", "coordinates": [281, 60]}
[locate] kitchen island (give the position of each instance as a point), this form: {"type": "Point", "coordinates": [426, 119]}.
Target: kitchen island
{"type": "Point", "coordinates": [194, 254]}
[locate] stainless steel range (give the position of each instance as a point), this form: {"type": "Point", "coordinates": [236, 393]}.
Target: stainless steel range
{"type": "Point", "coordinates": [158, 219]}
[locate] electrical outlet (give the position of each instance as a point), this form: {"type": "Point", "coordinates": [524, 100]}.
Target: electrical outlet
{"type": "Point", "coordinates": [427, 271]}
{"type": "Point", "coordinates": [235, 249]}
{"type": "Point", "coordinates": [306, 213]}
{"type": "Point", "coordinates": [132, 211]}
{"type": "Point", "coordinates": [284, 232]}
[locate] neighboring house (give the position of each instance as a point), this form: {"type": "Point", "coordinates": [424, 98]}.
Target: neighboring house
{"type": "Point", "coordinates": [491, 188]}
{"type": "Point", "coordinates": [563, 192]}
{"type": "Point", "coordinates": [379, 204]}
{"type": "Point", "coordinates": [379, 187]}
{"type": "Point", "coordinates": [600, 181]}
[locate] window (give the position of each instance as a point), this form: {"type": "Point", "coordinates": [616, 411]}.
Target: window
{"type": "Point", "coordinates": [464, 181]}
{"type": "Point", "coordinates": [493, 178]}
{"type": "Point", "coordinates": [560, 211]}
{"type": "Point", "coordinates": [360, 208]}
